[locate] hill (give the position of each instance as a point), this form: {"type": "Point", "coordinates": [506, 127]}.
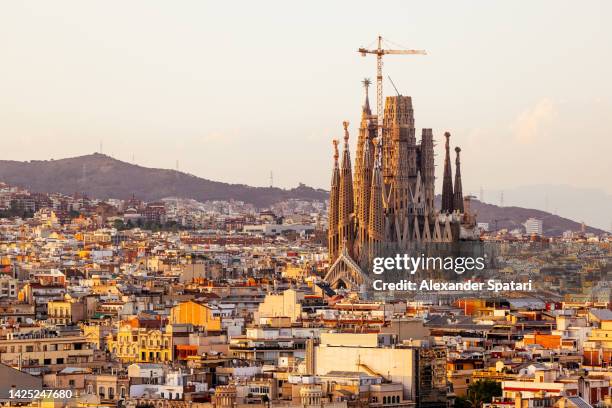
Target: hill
{"type": "Point", "coordinates": [514, 217]}
{"type": "Point", "coordinates": [101, 176]}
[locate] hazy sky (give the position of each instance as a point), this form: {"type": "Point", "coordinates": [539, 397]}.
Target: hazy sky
{"type": "Point", "coordinates": [234, 90]}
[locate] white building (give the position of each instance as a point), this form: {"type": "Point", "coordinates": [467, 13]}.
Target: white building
{"type": "Point", "coordinates": [8, 287]}
{"type": "Point", "coordinates": [533, 226]}
{"type": "Point", "coordinates": [367, 353]}
{"type": "Point", "coordinates": [277, 229]}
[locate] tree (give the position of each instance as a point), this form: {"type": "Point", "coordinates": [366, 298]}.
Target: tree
{"type": "Point", "coordinates": [480, 392]}
{"type": "Point", "coordinates": [462, 402]}
{"type": "Point", "coordinates": [119, 225]}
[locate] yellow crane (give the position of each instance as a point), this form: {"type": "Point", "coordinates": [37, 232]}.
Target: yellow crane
{"type": "Point", "coordinates": [379, 52]}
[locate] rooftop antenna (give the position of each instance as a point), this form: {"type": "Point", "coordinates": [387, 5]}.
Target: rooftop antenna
{"type": "Point", "coordinates": [271, 179]}
{"type": "Point", "coordinates": [394, 87]}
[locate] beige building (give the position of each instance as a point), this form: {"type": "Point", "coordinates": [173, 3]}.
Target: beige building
{"type": "Point", "coordinates": [44, 348]}
{"type": "Point", "coordinates": [285, 304]}
{"type": "Point", "coordinates": [8, 287]}
{"type": "Point", "coordinates": [65, 312]}
{"type": "Point", "coordinates": [140, 345]}
{"type": "Point", "coordinates": [97, 335]}
{"type": "Point", "coordinates": [368, 353]}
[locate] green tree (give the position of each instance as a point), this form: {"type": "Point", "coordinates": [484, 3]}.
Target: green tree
{"type": "Point", "coordinates": [480, 392]}
{"type": "Point", "coordinates": [119, 225]}
{"type": "Point", "coordinates": [462, 402]}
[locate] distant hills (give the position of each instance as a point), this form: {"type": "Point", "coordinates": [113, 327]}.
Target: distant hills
{"type": "Point", "coordinates": [102, 176]}
{"type": "Point", "coordinates": [514, 217]}
{"type": "Point", "coordinates": [591, 205]}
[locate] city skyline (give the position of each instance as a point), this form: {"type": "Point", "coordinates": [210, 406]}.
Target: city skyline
{"type": "Point", "coordinates": [165, 89]}
{"type": "Point", "coordinates": [224, 205]}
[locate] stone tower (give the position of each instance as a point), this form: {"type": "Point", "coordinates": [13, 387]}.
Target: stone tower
{"type": "Point", "coordinates": [458, 191]}
{"type": "Point", "coordinates": [400, 179]}
{"type": "Point", "coordinates": [346, 204]}
{"type": "Point", "coordinates": [447, 181]}
{"type": "Point", "coordinates": [363, 210]}
{"type": "Point", "coordinates": [376, 216]}
{"type": "Point", "coordinates": [333, 240]}
{"type": "Point", "coordinates": [364, 138]}
{"type": "Point", "coordinates": [427, 167]}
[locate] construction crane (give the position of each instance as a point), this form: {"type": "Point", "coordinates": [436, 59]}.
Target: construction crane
{"type": "Point", "coordinates": [379, 52]}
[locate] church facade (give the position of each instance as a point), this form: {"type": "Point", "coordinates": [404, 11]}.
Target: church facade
{"type": "Point", "coordinates": [386, 205]}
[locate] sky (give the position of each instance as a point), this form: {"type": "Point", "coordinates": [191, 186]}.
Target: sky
{"type": "Point", "coordinates": [236, 90]}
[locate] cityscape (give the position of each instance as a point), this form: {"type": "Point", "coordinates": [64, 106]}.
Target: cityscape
{"type": "Point", "coordinates": [182, 303]}
{"type": "Point", "coordinates": [394, 286]}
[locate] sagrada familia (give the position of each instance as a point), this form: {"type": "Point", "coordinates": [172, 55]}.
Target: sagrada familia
{"type": "Point", "coordinates": [386, 206]}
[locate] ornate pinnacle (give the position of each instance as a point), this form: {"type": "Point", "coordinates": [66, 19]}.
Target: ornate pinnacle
{"type": "Point", "coordinates": [336, 154]}
{"type": "Point", "coordinates": [346, 133]}
{"type": "Point", "coordinates": [366, 84]}
{"type": "Point", "coordinates": [377, 153]}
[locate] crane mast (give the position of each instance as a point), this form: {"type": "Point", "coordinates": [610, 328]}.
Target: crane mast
{"type": "Point", "coordinates": [379, 52]}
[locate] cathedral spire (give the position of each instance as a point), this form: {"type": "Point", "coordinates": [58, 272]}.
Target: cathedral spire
{"type": "Point", "coordinates": [333, 241]}
{"type": "Point", "coordinates": [447, 181]}
{"type": "Point", "coordinates": [458, 194]}
{"type": "Point", "coordinates": [363, 138]}
{"type": "Point", "coordinates": [376, 222]}
{"type": "Point", "coordinates": [363, 209]}
{"type": "Point", "coordinates": [366, 106]}
{"type": "Point", "coordinates": [346, 198]}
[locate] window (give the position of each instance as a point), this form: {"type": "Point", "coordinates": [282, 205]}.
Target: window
{"type": "Point", "coordinates": [71, 383]}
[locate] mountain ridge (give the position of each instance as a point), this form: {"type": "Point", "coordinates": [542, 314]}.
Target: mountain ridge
{"type": "Point", "coordinates": [101, 176]}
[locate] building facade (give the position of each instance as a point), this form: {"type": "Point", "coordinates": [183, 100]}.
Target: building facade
{"type": "Point", "coordinates": [387, 203]}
